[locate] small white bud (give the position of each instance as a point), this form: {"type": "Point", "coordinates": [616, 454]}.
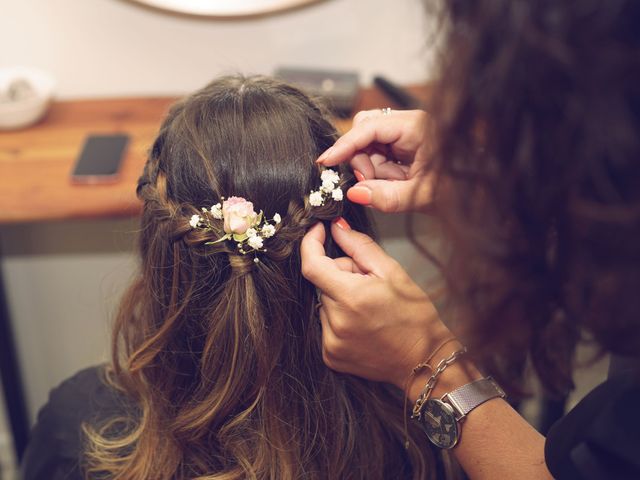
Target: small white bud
{"type": "Point", "coordinates": [195, 220]}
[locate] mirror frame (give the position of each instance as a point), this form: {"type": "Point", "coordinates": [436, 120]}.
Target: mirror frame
{"type": "Point", "coordinates": [224, 8]}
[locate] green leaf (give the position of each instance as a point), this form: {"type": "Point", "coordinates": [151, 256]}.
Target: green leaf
{"type": "Point", "coordinates": [221, 239]}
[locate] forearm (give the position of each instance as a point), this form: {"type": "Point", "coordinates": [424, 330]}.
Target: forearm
{"type": "Point", "coordinates": [495, 441]}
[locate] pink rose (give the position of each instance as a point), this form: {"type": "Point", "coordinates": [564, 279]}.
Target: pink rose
{"type": "Point", "coordinates": [238, 215]}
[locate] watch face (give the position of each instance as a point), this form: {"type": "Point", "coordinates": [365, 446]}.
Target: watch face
{"type": "Point", "coordinates": [439, 423]}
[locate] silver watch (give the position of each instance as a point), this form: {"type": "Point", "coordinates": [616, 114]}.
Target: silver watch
{"type": "Point", "coordinates": [440, 418]}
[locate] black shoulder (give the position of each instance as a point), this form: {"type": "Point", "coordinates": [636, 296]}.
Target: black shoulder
{"type": "Point", "coordinates": [55, 444]}
{"type": "Point", "coordinates": [600, 437]}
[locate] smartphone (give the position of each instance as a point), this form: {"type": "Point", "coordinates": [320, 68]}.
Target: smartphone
{"type": "Point", "coordinates": [100, 159]}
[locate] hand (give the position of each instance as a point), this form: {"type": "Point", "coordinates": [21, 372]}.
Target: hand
{"type": "Point", "coordinates": [388, 154]}
{"type": "Point", "coordinates": [376, 322]}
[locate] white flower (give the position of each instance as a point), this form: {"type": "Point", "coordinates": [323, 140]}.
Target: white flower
{"type": "Point", "coordinates": [327, 185]}
{"type": "Point", "coordinates": [337, 195]}
{"type": "Point", "coordinates": [329, 175]}
{"type": "Point", "coordinates": [277, 218]}
{"type": "Point", "coordinates": [268, 231]}
{"type": "Point", "coordinates": [251, 232]}
{"type": "Point", "coordinates": [316, 199]}
{"type": "Point", "coordinates": [195, 220]}
{"type": "Point", "coordinates": [255, 242]}
{"type": "Point", "coordinates": [216, 211]}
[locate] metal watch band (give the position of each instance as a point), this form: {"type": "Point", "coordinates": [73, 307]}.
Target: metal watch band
{"type": "Point", "coordinates": [467, 397]}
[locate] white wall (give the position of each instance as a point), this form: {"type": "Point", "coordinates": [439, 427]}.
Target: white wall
{"type": "Point", "coordinates": [115, 47]}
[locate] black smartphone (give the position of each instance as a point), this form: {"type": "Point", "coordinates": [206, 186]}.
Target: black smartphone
{"type": "Point", "coordinates": [100, 159]}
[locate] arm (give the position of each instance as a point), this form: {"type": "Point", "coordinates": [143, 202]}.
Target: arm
{"type": "Point", "coordinates": [365, 334]}
{"type": "Point", "coordinates": [496, 442]}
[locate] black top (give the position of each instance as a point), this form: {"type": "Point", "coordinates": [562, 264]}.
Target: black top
{"type": "Point", "coordinates": [598, 439]}
{"type": "Point", "coordinates": [55, 447]}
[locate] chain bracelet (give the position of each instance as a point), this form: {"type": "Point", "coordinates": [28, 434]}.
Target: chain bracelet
{"type": "Point", "coordinates": [431, 383]}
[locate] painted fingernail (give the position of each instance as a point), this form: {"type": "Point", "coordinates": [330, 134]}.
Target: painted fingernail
{"type": "Point", "coordinates": [325, 156]}
{"type": "Point", "coordinates": [342, 223]}
{"type": "Point", "coordinates": [360, 195]}
{"type": "Point", "coordinates": [359, 176]}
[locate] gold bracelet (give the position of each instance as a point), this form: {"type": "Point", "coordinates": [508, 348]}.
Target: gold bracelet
{"type": "Point", "coordinates": [408, 383]}
{"type": "Point", "coordinates": [431, 383]}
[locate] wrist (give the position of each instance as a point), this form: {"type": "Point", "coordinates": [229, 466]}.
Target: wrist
{"type": "Point", "coordinates": [422, 350]}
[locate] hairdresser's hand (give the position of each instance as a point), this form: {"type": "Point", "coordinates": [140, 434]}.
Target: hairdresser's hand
{"type": "Point", "coordinates": [388, 154]}
{"type": "Point", "coordinates": [376, 322]}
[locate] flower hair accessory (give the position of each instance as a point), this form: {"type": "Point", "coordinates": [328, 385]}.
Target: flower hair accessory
{"type": "Point", "coordinates": [240, 224]}
{"type": "Point", "coordinates": [329, 189]}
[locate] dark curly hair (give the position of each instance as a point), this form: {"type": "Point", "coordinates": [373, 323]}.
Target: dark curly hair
{"type": "Point", "coordinates": [537, 114]}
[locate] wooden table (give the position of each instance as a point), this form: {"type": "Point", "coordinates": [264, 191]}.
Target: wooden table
{"type": "Point", "coordinates": [35, 167]}
{"type": "Point", "coordinates": [35, 163]}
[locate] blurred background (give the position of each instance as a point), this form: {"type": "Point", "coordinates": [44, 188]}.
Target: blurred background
{"type": "Point", "coordinates": [63, 273]}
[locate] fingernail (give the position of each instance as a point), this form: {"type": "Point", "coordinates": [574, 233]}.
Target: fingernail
{"type": "Point", "coordinates": [360, 195]}
{"type": "Point", "coordinates": [359, 176]}
{"type": "Point", "coordinates": [342, 223]}
{"type": "Point", "coordinates": [325, 156]}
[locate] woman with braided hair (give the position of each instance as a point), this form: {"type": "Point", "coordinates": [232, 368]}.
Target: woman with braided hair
{"type": "Point", "coordinates": [217, 368]}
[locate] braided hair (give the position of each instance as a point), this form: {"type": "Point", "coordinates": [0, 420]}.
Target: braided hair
{"type": "Point", "coordinates": [223, 355]}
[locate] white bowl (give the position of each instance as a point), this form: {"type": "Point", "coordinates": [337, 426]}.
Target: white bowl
{"type": "Point", "coordinates": [24, 112]}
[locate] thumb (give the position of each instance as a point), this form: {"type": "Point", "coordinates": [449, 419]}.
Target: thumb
{"type": "Point", "coordinates": [324, 272]}
{"type": "Point", "coordinates": [367, 255]}
{"type": "Point", "coordinates": [392, 196]}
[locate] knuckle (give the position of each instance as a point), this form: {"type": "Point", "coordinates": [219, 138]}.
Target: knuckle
{"type": "Point", "coordinates": [341, 328]}
{"type": "Point", "coordinates": [390, 200]}
{"type": "Point", "coordinates": [307, 270]}
{"type": "Point", "coordinates": [329, 350]}
{"type": "Point", "coordinates": [361, 115]}
{"type": "Point", "coordinates": [326, 359]}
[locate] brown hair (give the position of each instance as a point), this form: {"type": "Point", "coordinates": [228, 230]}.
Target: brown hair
{"type": "Point", "coordinates": [538, 177]}
{"type": "Point", "coordinates": [223, 355]}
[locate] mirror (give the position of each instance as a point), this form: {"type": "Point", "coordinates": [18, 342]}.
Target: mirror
{"type": "Point", "coordinates": [225, 8]}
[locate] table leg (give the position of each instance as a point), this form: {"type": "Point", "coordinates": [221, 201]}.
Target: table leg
{"type": "Point", "coordinates": [11, 380]}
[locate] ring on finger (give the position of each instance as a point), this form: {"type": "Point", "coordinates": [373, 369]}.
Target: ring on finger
{"type": "Point", "coordinates": [385, 110]}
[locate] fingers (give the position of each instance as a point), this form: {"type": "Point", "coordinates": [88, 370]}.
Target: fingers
{"type": "Point", "coordinates": [362, 163]}
{"type": "Point", "coordinates": [377, 165]}
{"type": "Point", "coordinates": [348, 265]}
{"type": "Point", "coordinates": [393, 196]}
{"type": "Point", "coordinates": [366, 254]}
{"type": "Point", "coordinates": [377, 129]}
{"type": "Point", "coordinates": [371, 127]}
{"type": "Point", "coordinates": [329, 341]}
{"type": "Point", "coordinates": [324, 272]}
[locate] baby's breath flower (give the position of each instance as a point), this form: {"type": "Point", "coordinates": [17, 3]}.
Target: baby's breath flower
{"type": "Point", "coordinates": [268, 231]}
{"type": "Point", "coordinates": [216, 211]}
{"type": "Point", "coordinates": [255, 242]}
{"type": "Point", "coordinates": [327, 185]}
{"type": "Point", "coordinates": [277, 218]}
{"type": "Point", "coordinates": [195, 220]}
{"type": "Point", "coordinates": [329, 175]}
{"type": "Point", "coordinates": [316, 199]}
{"type": "Point", "coordinates": [251, 232]}
{"type": "Point", "coordinates": [337, 195]}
